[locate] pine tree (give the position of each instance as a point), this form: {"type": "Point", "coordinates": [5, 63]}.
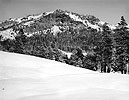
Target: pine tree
{"type": "Point", "coordinates": [121, 37]}
{"type": "Point", "coordinates": [104, 49]}
{"type": "Point", "coordinates": [122, 22]}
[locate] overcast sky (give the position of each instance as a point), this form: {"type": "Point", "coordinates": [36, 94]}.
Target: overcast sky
{"type": "Point", "coordinates": [106, 10]}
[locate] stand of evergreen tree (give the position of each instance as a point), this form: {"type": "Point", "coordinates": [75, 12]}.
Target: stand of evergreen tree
{"type": "Point", "coordinates": [121, 37]}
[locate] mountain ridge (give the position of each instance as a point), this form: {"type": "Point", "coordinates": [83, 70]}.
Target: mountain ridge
{"type": "Point", "coordinates": [86, 20]}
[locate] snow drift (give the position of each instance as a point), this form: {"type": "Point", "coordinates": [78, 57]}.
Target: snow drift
{"type": "Point", "coordinates": [24, 77]}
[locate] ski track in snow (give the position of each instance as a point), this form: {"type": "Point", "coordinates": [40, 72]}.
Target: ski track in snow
{"type": "Point", "coordinates": [24, 77]}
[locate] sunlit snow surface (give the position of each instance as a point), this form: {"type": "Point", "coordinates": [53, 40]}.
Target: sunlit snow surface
{"type": "Point", "coordinates": [55, 29]}
{"type": "Point", "coordinates": [85, 22]}
{"type": "Point", "coordinates": [9, 33]}
{"type": "Point", "coordinates": [25, 77]}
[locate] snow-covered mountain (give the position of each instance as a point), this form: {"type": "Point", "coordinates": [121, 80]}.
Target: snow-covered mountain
{"type": "Point", "coordinates": [67, 37]}
{"type": "Point", "coordinates": [24, 77]}
{"type": "Point", "coordinates": [54, 21]}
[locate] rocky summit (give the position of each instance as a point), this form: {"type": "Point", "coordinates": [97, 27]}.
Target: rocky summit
{"type": "Point", "coordinates": [53, 22]}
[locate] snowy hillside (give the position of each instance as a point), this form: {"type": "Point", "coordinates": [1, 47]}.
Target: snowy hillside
{"type": "Point", "coordinates": [25, 77]}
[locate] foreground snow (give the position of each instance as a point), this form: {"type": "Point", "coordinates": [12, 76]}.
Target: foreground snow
{"type": "Point", "coordinates": [25, 77]}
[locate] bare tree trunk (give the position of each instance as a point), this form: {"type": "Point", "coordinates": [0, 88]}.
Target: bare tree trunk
{"type": "Point", "coordinates": [99, 67]}
{"type": "Point", "coordinates": [106, 68]}
{"type": "Point", "coordinates": [127, 66]}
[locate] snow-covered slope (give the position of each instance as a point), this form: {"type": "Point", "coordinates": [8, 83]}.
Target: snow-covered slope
{"type": "Point", "coordinates": [9, 33]}
{"type": "Point", "coordinates": [85, 22]}
{"type": "Point", "coordinates": [25, 77]}
{"type": "Point", "coordinates": [55, 29]}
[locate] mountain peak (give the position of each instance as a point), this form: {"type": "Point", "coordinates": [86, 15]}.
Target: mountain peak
{"type": "Point", "coordinates": [59, 19]}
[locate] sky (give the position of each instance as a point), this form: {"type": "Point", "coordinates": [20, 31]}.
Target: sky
{"type": "Point", "coordinates": [106, 10]}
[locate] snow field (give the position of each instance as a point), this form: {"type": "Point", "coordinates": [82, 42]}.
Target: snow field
{"type": "Point", "coordinates": [24, 77]}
